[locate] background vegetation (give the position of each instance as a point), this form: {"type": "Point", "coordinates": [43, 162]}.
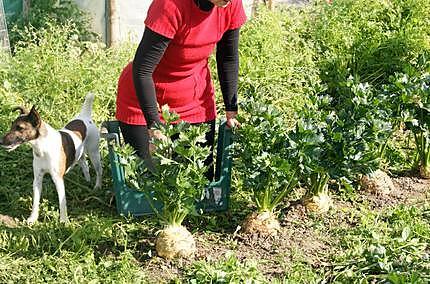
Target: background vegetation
{"type": "Point", "coordinates": [289, 59]}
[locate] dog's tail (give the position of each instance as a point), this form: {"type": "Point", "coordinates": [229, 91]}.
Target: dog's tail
{"type": "Point", "coordinates": [88, 105]}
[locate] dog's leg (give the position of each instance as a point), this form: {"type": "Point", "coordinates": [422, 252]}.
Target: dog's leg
{"type": "Point", "coordinates": [59, 184]}
{"type": "Point", "coordinates": [96, 161]}
{"type": "Point", "coordinates": [84, 166]}
{"type": "Point", "coordinates": [94, 155]}
{"type": "Point", "coordinates": [37, 192]}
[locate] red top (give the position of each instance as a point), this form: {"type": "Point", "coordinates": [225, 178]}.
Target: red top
{"type": "Point", "coordinates": [182, 78]}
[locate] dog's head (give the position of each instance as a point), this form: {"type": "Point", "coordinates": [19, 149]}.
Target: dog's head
{"type": "Point", "coordinates": [24, 129]}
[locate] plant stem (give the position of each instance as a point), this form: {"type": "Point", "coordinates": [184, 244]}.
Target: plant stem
{"type": "Point", "coordinates": [262, 201]}
{"type": "Point", "coordinates": [287, 189]}
{"type": "Point", "coordinates": [174, 216]}
{"type": "Point", "coordinates": [423, 149]}
{"type": "Point", "coordinates": [318, 183]}
{"type": "Point", "coordinates": [384, 146]}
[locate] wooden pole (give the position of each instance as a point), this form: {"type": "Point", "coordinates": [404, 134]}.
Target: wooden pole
{"type": "Point", "coordinates": [269, 4]}
{"type": "Point", "coordinates": [26, 9]}
{"type": "Point", "coordinates": [113, 24]}
{"type": "Point", "coordinates": [254, 8]}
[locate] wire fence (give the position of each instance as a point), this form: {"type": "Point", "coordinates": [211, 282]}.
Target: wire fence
{"type": "Point", "coordinates": [4, 36]}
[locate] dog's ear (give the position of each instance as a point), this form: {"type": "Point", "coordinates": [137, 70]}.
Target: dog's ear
{"type": "Point", "coordinates": [21, 110]}
{"type": "Point", "coordinates": [34, 117]}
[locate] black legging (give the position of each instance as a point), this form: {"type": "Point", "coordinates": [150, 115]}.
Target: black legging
{"type": "Point", "coordinates": [137, 137]}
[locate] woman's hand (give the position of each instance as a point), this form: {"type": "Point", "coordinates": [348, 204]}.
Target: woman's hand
{"type": "Point", "coordinates": [155, 133]}
{"type": "Point", "coordinates": [231, 119]}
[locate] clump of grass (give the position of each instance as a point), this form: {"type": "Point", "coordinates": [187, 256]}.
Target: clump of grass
{"type": "Point", "coordinates": [369, 40]}
{"type": "Point", "coordinates": [277, 63]}
{"type": "Point", "coordinates": [226, 270]}
{"type": "Point", "coordinates": [389, 246]}
{"type": "Point", "coordinates": [45, 13]}
{"type": "Point", "coordinates": [55, 70]}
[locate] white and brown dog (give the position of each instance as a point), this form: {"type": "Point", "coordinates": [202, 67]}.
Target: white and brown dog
{"type": "Point", "coordinates": [56, 151]}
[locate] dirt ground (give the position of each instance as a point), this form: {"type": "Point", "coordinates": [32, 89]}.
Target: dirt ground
{"type": "Point", "coordinates": [298, 240]}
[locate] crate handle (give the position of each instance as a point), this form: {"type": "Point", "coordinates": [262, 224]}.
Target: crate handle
{"type": "Point", "coordinates": [223, 159]}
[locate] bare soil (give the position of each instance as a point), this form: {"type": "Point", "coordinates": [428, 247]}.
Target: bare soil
{"type": "Point", "coordinates": [300, 239]}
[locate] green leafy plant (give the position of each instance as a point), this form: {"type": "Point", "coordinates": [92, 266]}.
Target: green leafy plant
{"type": "Point", "coordinates": [179, 176]}
{"type": "Point", "coordinates": [369, 40]}
{"type": "Point", "coordinates": [339, 138]}
{"type": "Point", "coordinates": [410, 104]}
{"type": "Point", "coordinates": [45, 13]}
{"type": "Point", "coordinates": [56, 69]}
{"type": "Point", "coordinates": [360, 131]}
{"type": "Point", "coordinates": [389, 246]}
{"type": "Point", "coordinates": [277, 59]}
{"type": "Point", "coordinates": [262, 164]}
{"type": "Point", "coordinates": [309, 148]}
{"type": "Point", "coordinates": [175, 177]}
{"type": "Point", "coordinates": [360, 135]}
{"type": "Point", "coordinates": [227, 270]}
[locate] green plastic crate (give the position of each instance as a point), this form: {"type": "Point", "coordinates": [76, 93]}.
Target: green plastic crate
{"type": "Point", "coordinates": [12, 7]}
{"type": "Point", "coordinates": [133, 202]}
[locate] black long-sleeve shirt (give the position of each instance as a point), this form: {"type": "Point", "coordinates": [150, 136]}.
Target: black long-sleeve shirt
{"type": "Point", "coordinates": [151, 50]}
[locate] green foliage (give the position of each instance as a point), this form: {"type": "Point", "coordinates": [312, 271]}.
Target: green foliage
{"type": "Point", "coordinates": [228, 270]}
{"type": "Point", "coordinates": [261, 162]}
{"type": "Point", "coordinates": [68, 269]}
{"type": "Point", "coordinates": [176, 174]}
{"type": "Point", "coordinates": [386, 247]}
{"type": "Point", "coordinates": [370, 40]}
{"type": "Point", "coordinates": [288, 59]}
{"type": "Point", "coordinates": [340, 137]}
{"type": "Point", "coordinates": [357, 129]}
{"type": "Point", "coordinates": [309, 149]}
{"type": "Point", "coordinates": [90, 248]}
{"type": "Point", "coordinates": [277, 59]}
{"type": "Point", "coordinates": [54, 72]}
{"type": "Point", "coordinates": [58, 71]}
{"type": "Point", "coordinates": [409, 98]}
{"type": "Point", "coordinates": [45, 13]}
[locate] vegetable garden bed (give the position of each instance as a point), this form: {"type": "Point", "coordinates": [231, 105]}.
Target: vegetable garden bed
{"type": "Point", "coordinates": [309, 248]}
{"type": "Point", "coordinates": [329, 94]}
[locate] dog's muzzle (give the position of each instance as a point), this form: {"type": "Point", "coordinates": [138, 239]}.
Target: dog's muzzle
{"type": "Point", "coordinates": [9, 146]}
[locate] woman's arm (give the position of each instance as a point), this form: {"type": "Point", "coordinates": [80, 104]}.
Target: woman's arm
{"type": "Point", "coordinates": [227, 57]}
{"type": "Point", "coordinates": [147, 57]}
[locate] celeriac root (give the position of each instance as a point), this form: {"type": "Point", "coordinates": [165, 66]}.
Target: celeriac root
{"type": "Point", "coordinates": [264, 223]}
{"type": "Point", "coordinates": [175, 242]}
{"type": "Point", "coordinates": [424, 172]}
{"type": "Point", "coordinates": [320, 203]}
{"type": "Point", "coordinates": [377, 182]}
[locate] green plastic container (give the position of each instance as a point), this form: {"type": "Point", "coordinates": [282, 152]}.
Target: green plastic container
{"type": "Point", "coordinates": [12, 7]}
{"type": "Point", "coordinates": [133, 202]}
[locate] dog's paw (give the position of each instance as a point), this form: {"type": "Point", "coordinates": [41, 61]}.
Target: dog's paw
{"type": "Point", "coordinates": [64, 220]}
{"type": "Point", "coordinates": [31, 220]}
